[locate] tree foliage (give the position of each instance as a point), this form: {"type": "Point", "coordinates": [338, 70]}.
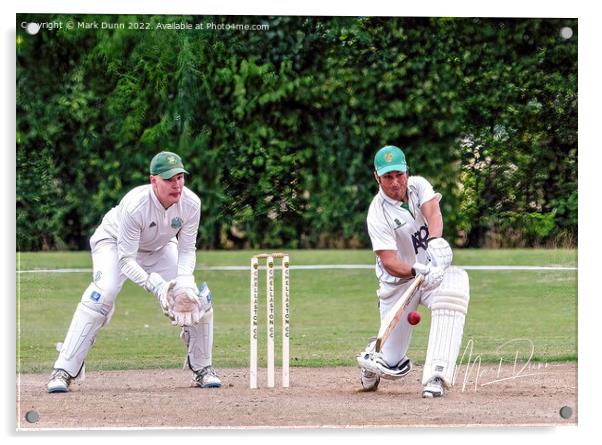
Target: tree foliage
{"type": "Point", "coordinates": [279, 127]}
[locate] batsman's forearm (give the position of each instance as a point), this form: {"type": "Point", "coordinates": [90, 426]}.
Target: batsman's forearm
{"type": "Point", "coordinates": [436, 229]}
{"type": "Point", "coordinates": [402, 270]}
{"type": "Point", "coordinates": [393, 265]}
{"type": "Point", "coordinates": [434, 219]}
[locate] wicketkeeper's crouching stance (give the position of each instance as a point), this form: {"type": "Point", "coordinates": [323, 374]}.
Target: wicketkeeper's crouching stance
{"type": "Point", "coordinates": [405, 227]}
{"type": "Point", "coordinates": [149, 238]}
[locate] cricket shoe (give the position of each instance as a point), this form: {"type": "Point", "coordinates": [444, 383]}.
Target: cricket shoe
{"type": "Point", "coordinates": [369, 380]}
{"type": "Point", "coordinates": [365, 359]}
{"type": "Point", "coordinates": [374, 362]}
{"type": "Point", "coordinates": [401, 369]}
{"type": "Point", "coordinates": [433, 388]}
{"type": "Point", "coordinates": [59, 381]}
{"type": "Point", "coordinates": [206, 378]}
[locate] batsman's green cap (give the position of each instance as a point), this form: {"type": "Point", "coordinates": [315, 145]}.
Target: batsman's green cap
{"type": "Point", "coordinates": [390, 159]}
{"type": "Point", "coordinates": [166, 164]}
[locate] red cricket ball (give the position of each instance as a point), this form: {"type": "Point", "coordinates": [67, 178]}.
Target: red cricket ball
{"type": "Point", "coordinates": [414, 317]}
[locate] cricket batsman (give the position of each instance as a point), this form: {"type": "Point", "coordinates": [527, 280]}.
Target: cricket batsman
{"type": "Point", "coordinates": [149, 238]}
{"type": "Point", "coordinates": [406, 227]}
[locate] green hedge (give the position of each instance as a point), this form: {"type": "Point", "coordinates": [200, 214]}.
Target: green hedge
{"type": "Point", "coordinates": [279, 127]}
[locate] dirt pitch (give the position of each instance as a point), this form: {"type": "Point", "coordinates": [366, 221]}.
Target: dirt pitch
{"type": "Point", "coordinates": [326, 397]}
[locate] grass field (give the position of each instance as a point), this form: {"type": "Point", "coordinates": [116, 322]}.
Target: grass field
{"type": "Point", "coordinates": [333, 312]}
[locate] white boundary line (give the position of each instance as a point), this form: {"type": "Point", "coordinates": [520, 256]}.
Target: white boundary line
{"type": "Point", "coordinates": [324, 267]}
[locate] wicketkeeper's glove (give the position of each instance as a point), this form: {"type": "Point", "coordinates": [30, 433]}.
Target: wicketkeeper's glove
{"type": "Point", "coordinates": [189, 303]}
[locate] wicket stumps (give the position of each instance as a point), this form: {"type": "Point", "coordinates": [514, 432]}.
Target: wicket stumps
{"type": "Point", "coordinates": [269, 262]}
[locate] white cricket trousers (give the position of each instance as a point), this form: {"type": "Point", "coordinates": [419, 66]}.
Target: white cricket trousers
{"type": "Point", "coordinates": [396, 347]}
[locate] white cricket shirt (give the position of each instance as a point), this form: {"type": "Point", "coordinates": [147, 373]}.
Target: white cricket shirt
{"type": "Point", "coordinates": [140, 224]}
{"type": "Point", "coordinates": [392, 227]}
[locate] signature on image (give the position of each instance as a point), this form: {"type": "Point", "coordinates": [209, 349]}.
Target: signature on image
{"type": "Point", "coordinates": [484, 377]}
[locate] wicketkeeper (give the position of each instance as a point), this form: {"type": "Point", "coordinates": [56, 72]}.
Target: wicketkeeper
{"type": "Point", "coordinates": [406, 227]}
{"type": "Point", "coordinates": [149, 238]}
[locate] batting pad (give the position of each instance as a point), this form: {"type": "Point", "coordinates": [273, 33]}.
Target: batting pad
{"type": "Point", "coordinates": [448, 312]}
{"type": "Point", "coordinates": [80, 338]}
{"type": "Point", "coordinates": [199, 342]}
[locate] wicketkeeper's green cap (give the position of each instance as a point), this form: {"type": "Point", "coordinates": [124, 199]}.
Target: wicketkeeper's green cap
{"type": "Point", "coordinates": [390, 159]}
{"type": "Point", "coordinates": [166, 164]}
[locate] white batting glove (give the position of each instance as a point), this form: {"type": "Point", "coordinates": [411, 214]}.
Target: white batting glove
{"type": "Point", "coordinates": [433, 275]}
{"type": "Point", "coordinates": [439, 252]}
{"type": "Point", "coordinates": [161, 289]}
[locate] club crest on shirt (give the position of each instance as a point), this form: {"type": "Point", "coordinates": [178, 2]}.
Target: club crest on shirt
{"type": "Point", "coordinates": [399, 224]}
{"type": "Point", "coordinates": [176, 223]}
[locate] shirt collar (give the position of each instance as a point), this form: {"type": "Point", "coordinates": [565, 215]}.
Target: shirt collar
{"type": "Point", "coordinates": [388, 199]}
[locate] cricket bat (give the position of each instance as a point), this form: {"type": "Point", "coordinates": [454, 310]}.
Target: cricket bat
{"type": "Point", "coordinates": [394, 315]}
